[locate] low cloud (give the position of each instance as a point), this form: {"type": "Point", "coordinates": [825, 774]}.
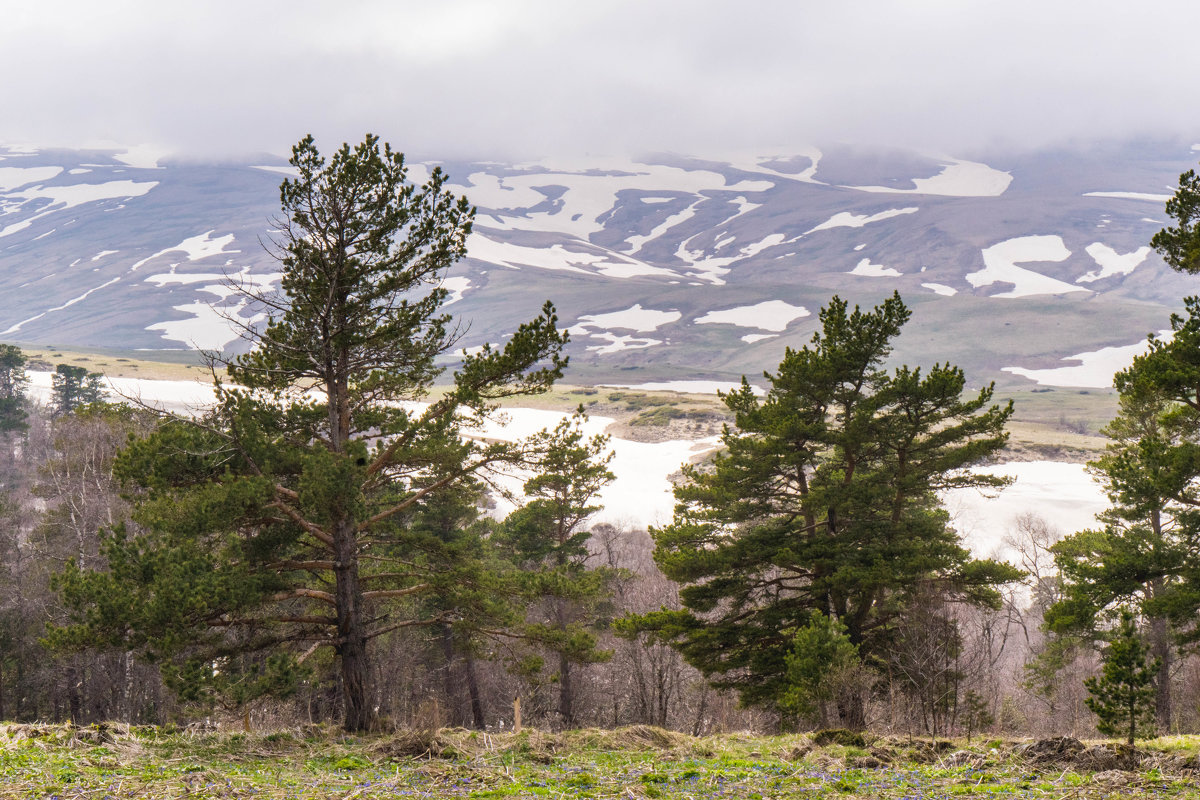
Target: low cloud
{"type": "Point", "coordinates": [528, 78]}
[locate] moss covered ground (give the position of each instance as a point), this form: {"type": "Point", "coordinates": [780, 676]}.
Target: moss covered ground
{"type": "Point", "coordinates": [116, 761]}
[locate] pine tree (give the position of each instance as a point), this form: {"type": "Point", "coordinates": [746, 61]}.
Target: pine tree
{"type": "Point", "coordinates": [1123, 694]}
{"type": "Point", "coordinates": [474, 599]}
{"type": "Point", "coordinates": [547, 540]}
{"type": "Point", "coordinates": [277, 523]}
{"type": "Point", "coordinates": [1144, 554]}
{"type": "Point", "coordinates": [72, 387]}
{"type": "Point", "coordinates": [13, 383]}
{"type": "Point", "coordinates": [821, 654]}
{"type": "Point", "coordinates": [975, 713]}
{"type": "Point", "coordinates": [825, 498]}
{"type": "Point", "coordinates": [1180, 245]}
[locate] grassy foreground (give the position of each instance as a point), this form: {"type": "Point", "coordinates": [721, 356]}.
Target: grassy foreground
{"type": "Point", "coordinates": [116, 761]}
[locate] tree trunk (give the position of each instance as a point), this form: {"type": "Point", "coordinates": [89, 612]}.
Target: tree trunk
{"type": "Point", "coordinates": [1160, 648]}
{"type": "Point", "coordinates": [853, 711]}
{"type": "Point", "coordinates": [74, 702]}
{"type": "Point", "coordinates": [453, 706]}
{"type": "Point", "coordinates": [473, 691]}
{"type": "Point", "coordinates": [565, 696]}
{"type": "Point", "coordinates": [352, 639]}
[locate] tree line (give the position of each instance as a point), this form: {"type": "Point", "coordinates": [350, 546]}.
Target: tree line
{"type": "Point", "coordinates": [318, 546]}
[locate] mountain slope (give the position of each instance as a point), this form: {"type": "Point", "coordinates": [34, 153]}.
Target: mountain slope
{"type": "Point", "coordinates": [663, 268]}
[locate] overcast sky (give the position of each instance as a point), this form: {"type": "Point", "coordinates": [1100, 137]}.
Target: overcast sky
{"type": "Point", "coordinates": [526, 78]}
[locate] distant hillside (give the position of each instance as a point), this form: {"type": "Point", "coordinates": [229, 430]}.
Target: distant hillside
{"type": "Point", "coordinates": [666, 268]}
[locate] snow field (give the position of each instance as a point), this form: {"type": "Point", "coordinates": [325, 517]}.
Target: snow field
{"type": "Point", "coordinates": [1063, 494]}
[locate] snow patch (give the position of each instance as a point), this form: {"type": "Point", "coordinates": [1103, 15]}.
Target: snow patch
{"type": "Point", "coordinates": [226, 284]}
{"type": "Point", "coordinates": [588, 259]}
{"type": "Point", "coordinates": [212, 325]}
{"type": "Point", "coordinates": [634, 318]}
{"type": "Point", "coordinates": [712, 268]}
{"type": "Point", "coordinates": [958, 178]}
{"type": "Point", "coordinates": [64, 197]}
{"type": "Point", "coordinates": [456, 286]}
{"type": "Point", "coordinates": [618, 342]}
{"type": "Point", "coordinates": [769, 315]}
{"type": "Point", "coordinates": [866, 269]}
{"type": "Point", "coordinates": [1095, 369]}
{"type": "Point", "coordinates": [941, 288]}
{"type": "Point", "coordinates": [16, 177]}
{"type": "Point", "coordinates": [636, 242]}
{"type": "Point", "coordinates": [144, 156]}
{"type": "Point", "coordinates": [1000, 265]}
{"type": "Point", "coordinates": [288, 170]}
{"type": "Point", "coordinates": [1111, 262]}
{"type": "Point", "coordinates": [845, 219]}
{"type": "Point", "coordinates": [592, 190]}
{"type": "Point", "coordinates": [206, 329]}
{"type": "Point", "coordinates": [68, 304]}
{"type": "Point", "coordinates": [1156, 198]}
{"type": "Point", "coordinates": [759, 164]}
{"type": "Point", "coordinates": [194, 247]}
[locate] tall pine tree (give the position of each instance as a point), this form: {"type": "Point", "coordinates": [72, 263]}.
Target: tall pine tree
{"type": "Point", "coordinates": [277, 524]}
{"type": "Point", "coordinates": [824, 497]}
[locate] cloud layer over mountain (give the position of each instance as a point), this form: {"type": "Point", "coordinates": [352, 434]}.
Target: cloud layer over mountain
{"type": "Point", "coordinates": [527, 78]}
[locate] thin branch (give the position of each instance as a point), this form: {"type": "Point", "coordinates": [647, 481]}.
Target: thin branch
{"type": "Point", "coordinates": [407, 624]}
{"type": "Point", "coordinates": [304, 565]}
{"type": "Point", "coordinates": [314, 594]}
{"type": "Point", "coordinates": [381, 593]}
{"type": "Point", "coordinates": [311, 527]}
